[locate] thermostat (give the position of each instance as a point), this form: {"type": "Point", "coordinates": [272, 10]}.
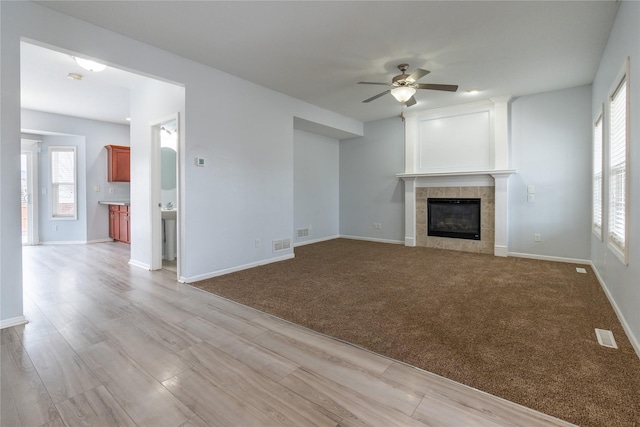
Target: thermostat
{"type": "Point", "coordinates": [199, 161]}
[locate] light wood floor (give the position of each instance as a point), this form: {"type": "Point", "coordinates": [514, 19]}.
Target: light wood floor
{"type": "Point", "coordinates": [111, 344]}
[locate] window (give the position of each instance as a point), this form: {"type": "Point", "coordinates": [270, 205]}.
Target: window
{"type": "Point", "coordinates": [63, 182]}
{"type": "Point", "coordinates": [597, 177]}
{"type": "Point", "coordinates": [618, 183]}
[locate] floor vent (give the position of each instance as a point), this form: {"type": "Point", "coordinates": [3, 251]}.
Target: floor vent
{"type": "Point", "coordinates": [581, 270]}
{"type": "Point", "coordinates": [281, 245]}
{"type": "Point", "coordinates": [302, 232]}
{"type": "Point", "coordinates": [605, 338]}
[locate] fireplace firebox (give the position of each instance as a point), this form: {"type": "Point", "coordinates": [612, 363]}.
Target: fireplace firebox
{"type": "Point", "coordinates": [455, 218]}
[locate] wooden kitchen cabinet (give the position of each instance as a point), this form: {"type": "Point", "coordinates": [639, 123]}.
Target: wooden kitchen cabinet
{"type": "Point", "coordinates": [118, 163]}
{"type": "Point", "coordinates": [119, 224]}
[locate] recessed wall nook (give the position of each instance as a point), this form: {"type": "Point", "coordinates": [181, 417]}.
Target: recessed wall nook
{"type": "Point", "coordinates": [459, 152]}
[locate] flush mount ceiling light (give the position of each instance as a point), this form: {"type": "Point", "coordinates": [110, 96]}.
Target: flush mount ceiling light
{"type": "Point", "coordinates": [89, 65]}
{"type": "Point", "coordinates": [403, 93]}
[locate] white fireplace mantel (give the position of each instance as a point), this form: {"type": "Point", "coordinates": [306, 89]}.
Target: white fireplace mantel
{"type": "Point", "coordinates": [490, 121]}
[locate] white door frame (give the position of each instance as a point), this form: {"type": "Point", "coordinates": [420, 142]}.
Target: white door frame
{"type": "Point", "coordinates": [156, 194]}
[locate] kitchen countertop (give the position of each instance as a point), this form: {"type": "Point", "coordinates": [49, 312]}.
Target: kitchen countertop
{"type": "Point", "coordinates": [115, 202]}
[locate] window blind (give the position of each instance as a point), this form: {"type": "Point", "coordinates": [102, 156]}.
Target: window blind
{"type": "Point", "coordinates": [63, 182]}
{"type": "Point", "coordinates": [618, 166]}
{"type": "Point", "coordinates": [597, 177]}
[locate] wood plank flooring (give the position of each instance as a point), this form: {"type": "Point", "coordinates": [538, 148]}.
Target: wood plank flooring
{"type": "Point", "coordinates": [110, 344]}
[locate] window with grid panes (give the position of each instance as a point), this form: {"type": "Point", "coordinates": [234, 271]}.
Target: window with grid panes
{"type": "Point", "coordinates": [63, 182]}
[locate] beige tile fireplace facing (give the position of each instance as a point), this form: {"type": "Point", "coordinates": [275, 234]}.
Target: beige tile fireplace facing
{"type": "Point", "coordinates": [487, 217]}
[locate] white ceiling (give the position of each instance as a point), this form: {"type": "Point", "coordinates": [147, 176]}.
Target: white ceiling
{"type": "Point", "coordinates": [318, 51]}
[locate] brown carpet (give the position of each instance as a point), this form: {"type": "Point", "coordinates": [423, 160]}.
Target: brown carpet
{"type": "Point", "coordinates": [517, 328]}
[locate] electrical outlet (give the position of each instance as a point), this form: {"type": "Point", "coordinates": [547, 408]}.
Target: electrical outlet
{"type": "Point", "coordinates": [96, 188]}
{"type": "Point", "coordinates": [112, 190]}
{"type": "Point", "coordinates": [257, 243]}
{"type": "Point", "coordinates": [55, 228]}
{"type": "Point", "coordinates": [536, 238]}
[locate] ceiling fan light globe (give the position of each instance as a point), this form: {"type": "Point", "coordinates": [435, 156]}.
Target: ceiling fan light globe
{"type": "Point", "coordinates": [403, 93]}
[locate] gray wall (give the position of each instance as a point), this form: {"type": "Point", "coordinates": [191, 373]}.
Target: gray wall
{"type": "Point", "coordinates": [315, 186]}
{"type": "Point", "coordinates": [551, 150]}
{"type": "Point", "coordinates": [369, 190]}
{"type": "Point", "coordinates": [622, 282]}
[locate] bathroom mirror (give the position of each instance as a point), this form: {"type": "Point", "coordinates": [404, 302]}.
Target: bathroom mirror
{"type": "Point", "coordinates": [168, 156]}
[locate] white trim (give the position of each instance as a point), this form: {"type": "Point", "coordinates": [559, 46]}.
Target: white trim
{"type": "Point", "coordinates": [105, 240]}
{"type": "Point", "coordinates": [139, 264]}
{"type": "Point", "coordinates": [14, 321]}
{"type": "Point", "coordinates": [234, 269]}
{"type": "Point", "coordinates": [64, 242]}
{"type": "Point", "coordinates": [309, 242]}
{"type": "Point", "coordinates": [551, 258]}
{"type": "Point", "coordinates": [635, 342]}
{"type": "Point", "coordinates": [500, 250]}
{"type": "Point", "coordinates": [372, 239]}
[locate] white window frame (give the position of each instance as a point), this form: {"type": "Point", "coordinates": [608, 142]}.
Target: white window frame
{"type": "Point", "coordinates": [617, 243]}
{"type": "Point", "coordinates": [54, 185]}
{"type": "Point", "coordinates": [598, 175]}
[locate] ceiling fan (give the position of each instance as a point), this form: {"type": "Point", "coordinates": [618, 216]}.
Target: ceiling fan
{"type": "Point", "coordinates": [404, 86]}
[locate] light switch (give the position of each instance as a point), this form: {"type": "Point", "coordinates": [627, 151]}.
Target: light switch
{"type": "Point", "coordinates": [531, 198]}
{"type": "Point", "coordinates": [531, 189]}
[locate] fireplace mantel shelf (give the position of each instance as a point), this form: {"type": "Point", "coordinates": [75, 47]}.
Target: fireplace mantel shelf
{"type": "Point", "coordinates": [492, 172]}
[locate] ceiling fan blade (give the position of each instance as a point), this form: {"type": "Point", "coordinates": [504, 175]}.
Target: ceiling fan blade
{"type": "Point", "coordinates": [418, 74]}
{"type": "Point", "coordinates": [377, 96]}
{"type": "Point", "coordinates": [411, 101]}
{"type": "Point", "coordinates": [448, 88]}
{"type": "Point", "coordinates": [373, 83]}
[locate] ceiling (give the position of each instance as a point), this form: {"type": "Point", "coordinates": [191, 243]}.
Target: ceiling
{"type": "Point", "coordinates": [318, 51]}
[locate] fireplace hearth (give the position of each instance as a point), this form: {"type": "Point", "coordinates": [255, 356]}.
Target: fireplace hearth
{"type": "Point", "coordinates": [457, 218]}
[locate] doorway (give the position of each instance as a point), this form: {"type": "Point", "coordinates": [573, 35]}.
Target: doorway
{"type": "Point", "coordinates": [166, 236]}
{"type": "Point", "coordinates": [28, 193]}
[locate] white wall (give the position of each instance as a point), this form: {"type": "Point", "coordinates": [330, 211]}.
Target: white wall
{"type": "Point", "coordinates": [316, 187]}
{"type": "Point", "coordinates": [244, 131]}
{"type": "Point", "coordinates": [93, 218]}
{"type": "Point", "coordinates": [551, 150]}
{"type": "Point", "coordinates": [151, 101]}
{"type": "Point", "coordinates": [621, 282]}
{"type": "Point", "coordinates": [369, 190]}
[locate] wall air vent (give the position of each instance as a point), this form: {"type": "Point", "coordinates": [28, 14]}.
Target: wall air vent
{"type": "Point", "coordinates": [281, 245]}
{"type": "Point", "coordinates": [302, 233]}
{"type": "Point", "coordinates": [605, 338]}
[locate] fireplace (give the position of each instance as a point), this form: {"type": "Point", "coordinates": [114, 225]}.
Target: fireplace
{"type": "Point", "coordinates": [454, 218]}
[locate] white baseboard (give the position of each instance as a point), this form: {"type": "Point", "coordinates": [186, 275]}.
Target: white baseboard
{"type": "Point", "coordinates": [550, 258]}
{"type": "Point", "coordinates": [372, 239]}
{"type": "Point", "coordinates": [410, 241]}
{"type": "Point", "coordinates": [14, 321]}
{"type": "Point", "coordinates": [108, 239]}
{"type": "Point", "coordinates": [309, 242]}
{"type": "Point", "coordinates": [234, 269]}
{"type": "Point", "coordinates": [64, 242]}
{"type": "Point", "coordinates": [139, 264]}
{"type": "Point", "coordinates": [635, 342]}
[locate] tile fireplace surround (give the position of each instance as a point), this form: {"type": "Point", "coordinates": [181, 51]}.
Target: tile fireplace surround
{"type": "Point", "coordinates": [487, 203]}
{"type": "Point", "coordinates": [489, 186]}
